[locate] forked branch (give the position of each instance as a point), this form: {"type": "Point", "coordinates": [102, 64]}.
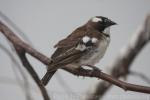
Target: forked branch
{"type": "Point", "coordinates": [22, 48]}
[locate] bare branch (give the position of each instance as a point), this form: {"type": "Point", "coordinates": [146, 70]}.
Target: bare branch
{"type": "Point", "coordinates": [22, 48]}
{"type": "Point", "coordinates": [25, 87]}
{"type": "Point", "coordinates": [15, 27]}
{"type": "Point", "coordinates": [121, 65]}
{"type": "Point", "coordinates": [108, 78]}
{"type": "Point", "coordinates": [15, 40]}
{"type": "Point", "coordinates": [21, 33]}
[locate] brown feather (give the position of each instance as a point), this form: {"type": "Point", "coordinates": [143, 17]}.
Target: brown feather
{"type": "Point", "coordinates": [76, 36]}
{"type": "Point", "coordinates": [65, 58]}
{"type": "Point", "coordinates": [66, 47]}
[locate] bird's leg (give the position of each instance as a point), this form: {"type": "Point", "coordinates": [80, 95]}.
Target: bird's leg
{"type": "Point", "coordinates": [80, 70]}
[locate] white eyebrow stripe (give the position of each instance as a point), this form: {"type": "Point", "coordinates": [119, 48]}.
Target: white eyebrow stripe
{"type": "Point", "coordinates": [86, 39]}
{"type": "Point", "coordinates": [95, 19]}
{"type": "Point", "coordinates": [94, 40]}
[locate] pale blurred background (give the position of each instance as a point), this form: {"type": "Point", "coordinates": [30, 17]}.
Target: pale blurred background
{"type": "Point", "coordinates": [45, 22]}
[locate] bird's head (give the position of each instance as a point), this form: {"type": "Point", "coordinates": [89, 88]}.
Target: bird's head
{"type": "Point", "coordinates": [100, 23]}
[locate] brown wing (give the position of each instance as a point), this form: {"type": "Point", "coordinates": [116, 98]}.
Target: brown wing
{"type": "Point", "coordinates": [65, 57]}
{"type": "Point", "coordinates": [71, 41]}
{"type": "Point", "coordinates": [73, 38]}
{"type": "Point", "coordinates": [66, 52]}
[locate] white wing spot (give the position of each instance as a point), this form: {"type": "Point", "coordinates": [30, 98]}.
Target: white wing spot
{"type": "Point", "coordinates": [85, 39]}
{"type": "Point", "coordinates": [95, 19]}
{"type": "Point", "coordinates": [80, 47]}
{"type": "Point", "coordinates": [94, 40]}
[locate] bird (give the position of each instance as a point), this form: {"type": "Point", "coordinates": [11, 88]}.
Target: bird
{"type": "Point", "coordinates": [86, 45]}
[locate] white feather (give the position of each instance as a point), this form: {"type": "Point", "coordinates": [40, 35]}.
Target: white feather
{"type": "Point", "coordinates": [81, 47]}
{"type": "Point", "coordinates": [107, 30]}
{"type": "Point", "coordinates": [95, 19]}
{"type": "Point", "coordinates": [96, 54]}
{"type": "Point", "coordinates": [86, 39]}
{"type": "Point", "coordinates": [94, 40]}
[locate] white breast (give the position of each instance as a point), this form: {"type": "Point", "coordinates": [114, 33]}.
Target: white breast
{"type": "Point", "coordinates": [96, 54]}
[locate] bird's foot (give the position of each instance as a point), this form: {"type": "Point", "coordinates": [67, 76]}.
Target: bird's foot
{"type": "Point", "coordinates": [80, 70]}
{"type": "Point", "coordinates": [93, 67]}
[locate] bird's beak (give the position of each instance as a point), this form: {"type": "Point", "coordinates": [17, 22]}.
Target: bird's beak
{"type": "Point", "coordinates": [112, 23]}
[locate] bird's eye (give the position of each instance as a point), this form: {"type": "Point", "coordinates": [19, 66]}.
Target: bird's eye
{"type": "Point", "coordinates": [106, 20]}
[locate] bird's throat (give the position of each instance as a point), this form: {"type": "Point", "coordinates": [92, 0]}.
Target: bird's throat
{"type": "Point", "coordinates": [107, 31]}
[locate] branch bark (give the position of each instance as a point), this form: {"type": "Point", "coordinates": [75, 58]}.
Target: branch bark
{"type": "Point", "coordinates": [22, 48]}
{"type": "Point", "coordinates": [110, 79]}
{"type": "Point", "coordinates": [25, 84]}
{"type": "Point", "coordinates": [121, 65]}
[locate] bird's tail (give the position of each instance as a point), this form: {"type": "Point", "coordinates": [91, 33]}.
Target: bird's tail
{"type": "Point", "coordinates": [47, 77]}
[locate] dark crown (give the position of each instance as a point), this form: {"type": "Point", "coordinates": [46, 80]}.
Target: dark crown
{"type": "Point", "coordinates": [100, 23]}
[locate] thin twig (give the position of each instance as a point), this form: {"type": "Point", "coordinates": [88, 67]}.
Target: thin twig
{"type": "Point", "coordinates": [15, 27]}
{"type": "Point", "coordinates": [25, 87]}
{"type": "Point", "coordinates": [140, 75]}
